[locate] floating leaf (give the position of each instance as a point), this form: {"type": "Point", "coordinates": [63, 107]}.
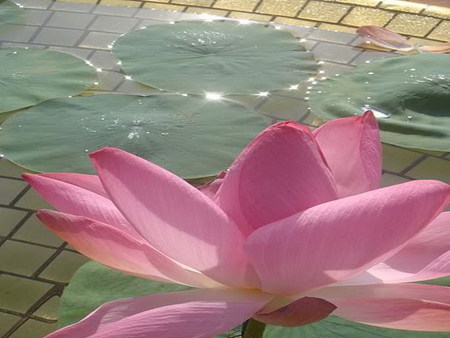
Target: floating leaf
{"type": "Point", "coordinates": [218, 57]}
{"type": "Point", "coordinates": [9, 12]}
{"type": "Point", "coordinates": [333, 327]}
{"type": "Point", "coordinates": [187, 135]}
{"type": "Point", "coordinates": [30, 76]}
{"type": "Point", "coordinates": [410, 95]}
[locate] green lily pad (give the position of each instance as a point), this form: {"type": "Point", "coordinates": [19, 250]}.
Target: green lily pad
{"type": "Point", "coordinates": [221, 57]}
{"type": "Point", "coordinates": [94, 284]}
{"type": "Point", "coordinates": [30, 76]}
{"type": "Point", "coordinates": [333, 327]}
{"type": "Point", "coordinates": [9, 12]}
{"type": "Point", "coordinates": [410, 95]}
{"type": "Point", "coordinates": [187, 135]}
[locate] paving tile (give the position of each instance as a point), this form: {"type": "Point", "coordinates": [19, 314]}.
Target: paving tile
{"type": "Point", "coordinates": [209, 11]}
{"type": "Point", "coordinates": [70, 20]}
{"type": "Point", "coordinates": [389, 179]}
{"type": "Point", "coordinates": [205, 3]}
{"type": "Point", "coordinates": [402, 24]}
{"type": "Point", "coordinates": [402, 6]}
{"type": "Point", "coordinates": [35, 232]}
{"type": "Point", "coordinates": [64, 266]}
{"type": "Point", "coordinates": [441, 32]}
{"type": "Point", "coordinates": [17, 33]}
{"type": "Point", "coordinates": [6, 322]}
{"type": "Point", "coordinates": [155, 14]}
{"type": "Point", "coordinates": [324, 11]}
{"type": "Point", "coordinates": [82, 53]}
{"type": "Point", "coordinates": [113, 24]}
{"type": "Point", "coordinates": [22, 45]}
{"type": "Point", "coordinates": [135, 88]}
{"type": "Point", "coordinates": [290, 21]}
{"type": "Point", "coordinates": [19, 294]}
{"type": "Point", "coordinates": [166, 7]}
{"type": "Point", "coordinates": [72, 7]}
{"type": "Point", "coordinates": [10, 188]}
{"type": "Point", "coordinates": [104, 59]}
{"type": "Point", "coordinates": [331, 52]}
{"type": "Point", "coordinates": [371, 3]}
{"type": "Point", "coordinates": [331, 69]}
{"type": "Point", "coordinates": [34, 328]}
{"type": "Point", "coordinates": [121, 3]}
{"type": "Point", "coordinates": [370, 55]}
{"type": "Point", "coordinates": [58, 36]}
{"type": "Point", "coordinates": [432, 168]}
{"type": "Point", "coordinates": [397, 159]}
{"type": "Point", "coordinates": [41, 4]}
{"type": "Point", "coordinates": [363, 16]}
{"type": "Point", "coordinates": [36, 16]}
{"type": "Point", "coordinates": [31, 200]}
{"type": "Point", "coordinates": [109, 80]}
{"type": "Point", "coordinates": [236, 5]}
{"type": "Point", "coordinates": [249, 16]}
{"type": "Point", "coordinates": [298, 31]}
{"type": "Point", "coordinates": [99, 40]}
{"type": "Point", "coordinates": [437, 11]}
{"type": "Point", "coordinates": [329, 36]}
{"type": "Point", "coordinates": [49, 310]}
{"type": "Point", "coordinates": [22, 258]}
{"type": "Point", "coordinates": [9, 218]}
{"type": "Point", "coordinates": [147, 23]}
{"type": "Point", "coordinates": [113, 10]}
{"type": "Point", "coordinates": [10, 169]}
{"type": "Point", "coordinates": [281, 7]}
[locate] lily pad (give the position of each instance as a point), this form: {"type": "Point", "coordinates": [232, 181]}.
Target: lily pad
{"type": "Point", "coordinates": [30, 76]}
{"type": "Point", "coordinates": [94, 284]}
{"type": "Point", "coordinates": [221, 57]}
{"type": "Point", "coordinates": [187, 135]}
{"type": "Point", "coordinates": [410, 95]}
{"type": "Point", "coordinates": [9, 12]}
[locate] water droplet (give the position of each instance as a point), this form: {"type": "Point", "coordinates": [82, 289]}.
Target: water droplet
{"type": "Point", "coordinates": [368, 98]}
{"type": "Point", "coordinates": [412, 69]}
{"type": "Point", "coordinates": [377, 112]}
{"type": "Point", "coordinates": [15, 53]}
{"type": "Point", "coordinates": [86, 150]}
{"type": "Point", "coordinates": [1, 155]}
{"type": "Point", "coordinates": [321, 72]}
{"type": "Point", "coordinates": [306, 98]}
{"type": "Point", "coordinates": [320, 62]}
{"type": "Point", "coordinates": [127, 77]}
{"type": "Point", "coordinates": [370, 73]}
{"type": "Point", "coordinates": [409, 117]}
{"type": "Point", "coordinates": [164, 134]}
{"type": "Point", "coordinates": [319, 92]}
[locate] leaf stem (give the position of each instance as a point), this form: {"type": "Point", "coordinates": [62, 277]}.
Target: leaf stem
{"type": "Point", "coordinates": [254, 329]}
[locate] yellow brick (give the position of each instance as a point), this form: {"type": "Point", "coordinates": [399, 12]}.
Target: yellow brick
{"type": "Point", "coordinates": [295, 22]}
{"type": "Point", "coordinates": [423, 42]}
{"type": "Point", "coordinates": [199, 10]}
{"type": "Point", "coordinates": [363, 16]}
{"type": "Point", "coordinates": [324, 11]}
{"type": "Point", "coordinates": [165, 1]}
{"type": "Point", "coordinates": [80, 1]}
{"type": "Point", "coordinates": [411, 24]}
{"type": "Point", "coordinates": [437, 11]}
{"type": "Point", "coordinates": [337, 28]}
{"type": "Point", "coordinates": [120, 3]}
{"type": "Point", "coordinates": [441, 32]}
{"type": "Point", "coordinates": [402, 6]}
{"type": "Point", "coordinates": [371, 3]}
{"type": "Point", "coordinates": [237, 5]}
{"type": "Point", "coordinates": [255, 17]}
{"type": "Point", "coordinates": [281, 7]}
{"type": "Point", "coordinates": [165, 7]}
{"type": "Point", "coordinates": [205, 3]}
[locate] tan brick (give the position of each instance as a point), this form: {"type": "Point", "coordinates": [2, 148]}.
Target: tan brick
{"type": "Point", "coordinates": [205, 3]}
{"type": "Point", "coordinates": [337, 28]}
{"type": "Point", "coordinates": [441, 32]}
{"type": "Point", "coordinates": [206, 11]}
{"type": "Point", "coordinates": [363, 16]}
{"type": "Point", "coordinates": [295, 22]}
{"type": "Point", "coordinates": [237, 5]}
{"type": "Point", "coordinates": [324, 11]}
{"type": "Point", "coordinates": [255, 17]}
{"type": "Point", "coordinates": [437, 11]}
{"type": "Point", "coordinates": [412, 24]}
{"type": "Point", "coordinates": [122, 3]}
{"type": "Point", "coordinates": [165, 7]}
{"type": "Point", "coordinates": [402, 6]}
{"type": "Point", "coordinates": [281, 7]}
{"type": "Point", "coordinates": [371, 3]}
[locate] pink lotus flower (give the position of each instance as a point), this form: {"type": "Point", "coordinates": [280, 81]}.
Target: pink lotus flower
{"type": "Point", "coordinates": [295, 230]}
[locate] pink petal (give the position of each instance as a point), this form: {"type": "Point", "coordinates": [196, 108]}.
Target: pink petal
{"type": "Point", "coordinates": [439, 48]}
{"type": "Point", "coordinates": [400, 306]}
{"type": "Point", "coordinates": [303, 311]}
{"type": "Point", "coordinates": [115, 248]}
{"type": "Point", "coordinates": [60, 191]}
{"type": "Point", "coordinates": [174, 217]}
{"type": "Point", "coordinates": [210, 189]}
{"type": "Point", "coordinates": [193, 314]}
{"type": "Point", "coordinates": [339, 239]}
{"type": "Point", "coordinates": [87, 182]}
{"type": "Point", "coordinates": [279, 174]}
{"type": "Point", "coordinates": [385, 38]}
{"type": "Point", "coordinates": [352, 149]}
